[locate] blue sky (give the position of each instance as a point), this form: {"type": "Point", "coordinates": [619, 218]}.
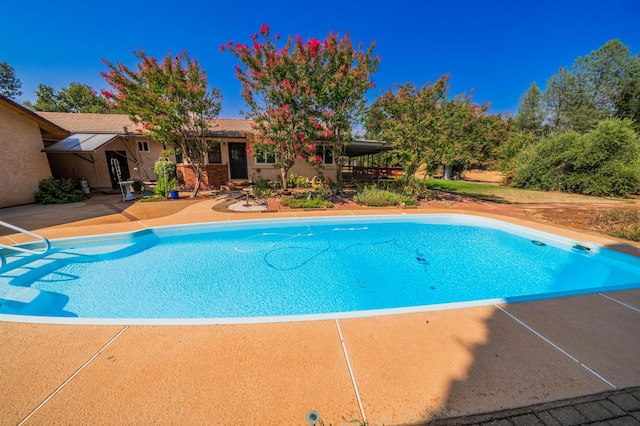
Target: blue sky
{"type": "Point", "coordinates": [494, 48]}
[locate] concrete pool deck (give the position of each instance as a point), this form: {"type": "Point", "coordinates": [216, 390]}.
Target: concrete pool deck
{"type": "Point", "coordinates": [414, 368]}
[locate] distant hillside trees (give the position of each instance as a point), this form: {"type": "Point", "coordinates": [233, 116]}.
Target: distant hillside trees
{"type": "Point", "coordinates": [77, 97]}
{"type": "Point", "coordinates": [581, 133]}
{"type": "Point", "coordinates": [604, 84]}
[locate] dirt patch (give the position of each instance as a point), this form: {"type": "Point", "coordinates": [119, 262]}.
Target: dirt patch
{"type": "Point", "coordinates": [483, 176]}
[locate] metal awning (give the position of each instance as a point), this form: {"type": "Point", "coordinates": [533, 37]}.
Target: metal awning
{"type": "Point", "coordinates": [81, 142]}
{"type": "Point", "coordinates": [360, 147]}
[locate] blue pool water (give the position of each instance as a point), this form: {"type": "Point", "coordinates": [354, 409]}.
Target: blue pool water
{"type": "Point", "coordinates": [275, 268]}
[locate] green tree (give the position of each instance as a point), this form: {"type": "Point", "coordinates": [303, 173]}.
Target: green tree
{"type": "Point", "coordinates": [427, 129]}
{"type": "Point", "coordinates": [409, 118]}
{"type": "Point", "coordinates": [171, 99]}
{"type": "Point", "coordinates": [45, 99]}
{"type": "Point", "coordinates": [467, 135]}
{"type": "Point", "coordinates": [603, 84]}
{"type": "Point", "coordinates": [9, 84]}
{"type": "Point", "coordinates": [530, 117]}
{"type": "Point", "coordinates": [77, 98]}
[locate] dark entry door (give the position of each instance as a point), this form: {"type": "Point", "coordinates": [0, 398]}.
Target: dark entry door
{"type": "Point", "coordinates": [119, 157]}
{"type": "Point", "coordinates": [238, 160]}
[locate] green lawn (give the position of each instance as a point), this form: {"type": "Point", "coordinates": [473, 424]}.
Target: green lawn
{"type": "Point", "coordinates": [505, 194]}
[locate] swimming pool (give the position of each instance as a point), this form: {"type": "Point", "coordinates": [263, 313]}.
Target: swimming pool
{"type": "Point", "coordinates": [292, 269]}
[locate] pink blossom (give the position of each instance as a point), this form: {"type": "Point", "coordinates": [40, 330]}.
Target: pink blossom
{"type": "Point", "coordinates": [328, 133]}
{"type": "Point", "coordinates": [238, 69]}
{"type": "Point", "coordinates": [170, 86]}
{"type": "Point", "coordinates": [313, 45]}
{"type": "Point", "coordinates": [312, 147]}
{"type": "Point", "coordinates": [254, 37]}
{"type": "Point", "coordinates": [264, 29]}
{"type": "Point", "coordinates": [301, 136]}
{"type": "Point", "coordinates": [93, 92]}
{"type": "Point", "coordinates": [318, 159]}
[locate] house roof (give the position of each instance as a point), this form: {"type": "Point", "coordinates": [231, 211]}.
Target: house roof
{"type": "Point", "coordinates": [48, 129]}
{"type": "Point", "coordinates": [92, 123]}
{"type": "Point", "coordinates": [116, 123]}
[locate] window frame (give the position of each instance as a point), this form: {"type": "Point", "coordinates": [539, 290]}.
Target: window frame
{"type": "Point", "coordinates": [265, 160]}
{"type": "Point", "coordinates": [143, 144]}
{"type": "Point", "coordinates": [219, 152]}
{"type": "Point", "coordinates": [325, 151]}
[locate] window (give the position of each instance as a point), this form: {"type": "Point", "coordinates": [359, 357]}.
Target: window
{"type": "Point", "coordinates": [143, 146]}
{"type": "Point", "coordinates": [326, 152]}
{"type": "Point", "coordinates": [269, 159]}
{"type": "Point", "coordinates": [215, 154]}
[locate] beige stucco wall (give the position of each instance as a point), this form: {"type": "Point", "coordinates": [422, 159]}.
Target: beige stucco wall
{"type": "Point", "coordinates": [270, 171]}
{"type": "Point", "coordinates": [22, 164]}
{"type": "Point", "coordinates": [94, 168]}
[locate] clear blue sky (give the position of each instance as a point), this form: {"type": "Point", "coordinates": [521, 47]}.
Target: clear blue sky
{"type": "Point", "coordinates": [495, 48]}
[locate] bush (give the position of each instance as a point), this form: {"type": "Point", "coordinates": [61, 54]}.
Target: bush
{"type": "Point", "coordinates": [375, 197]}
{"type": "Point", "coordinates": [165, 170]}
{"type": "Point", "coordinates": [305, 201]}
{"type": "Point", "coordinates": [605, 161]}
{"type": "Point", "coordinates": [59, 191]}
{"type": "Point", "coordinates": [262, 188]}
{"type": "Point", "coordinates": [295, 181]}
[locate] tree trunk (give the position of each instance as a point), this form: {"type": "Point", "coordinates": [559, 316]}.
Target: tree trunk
{"type": "Point", "coordinates": [284, 173]}
{"type": "Point", "coordinates": [448, 172]}
{"type": "Point", "coordinates": [198, 173]}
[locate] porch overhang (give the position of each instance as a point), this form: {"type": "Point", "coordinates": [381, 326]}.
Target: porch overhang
{"type": "Point", "coordinates": [81, 142]}
{"type": "Point", "coordinates": [360, 147]}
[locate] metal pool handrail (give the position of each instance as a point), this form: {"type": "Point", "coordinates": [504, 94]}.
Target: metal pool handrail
{"type": "Point", "coordinates": [47, 243]}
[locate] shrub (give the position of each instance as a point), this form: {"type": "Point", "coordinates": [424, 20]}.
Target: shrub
{"type": "Point", "coordinates": [166, 172]}
{"type": "Point", "coordinates": [305, 201]}
{"type": "Point", "coordinates": [605, 161]}
{"type": "Point", "coordinates": [374, 197]}
{"type": "Point", "coordinates": [295, 181]}
{"type": "Point", "coordinates": [262, 188]}
{"type": "Point", "coordinates": [59, 191]}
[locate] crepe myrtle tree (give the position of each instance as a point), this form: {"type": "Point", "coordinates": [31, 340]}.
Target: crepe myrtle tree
{"type": "Point", "coordinates": [171, 99]}
{"type": "Point", "coordinates": [340, 81]}
{"type": "Point", "coordinates": [278, 96]}
{"type": "Point", "coordinates": [301, 92]}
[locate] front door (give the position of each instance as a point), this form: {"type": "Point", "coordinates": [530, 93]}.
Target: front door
{"type": "Point", "coordinates": [238, 160]}
{"type": "Point", "coordinates": [118, 167]}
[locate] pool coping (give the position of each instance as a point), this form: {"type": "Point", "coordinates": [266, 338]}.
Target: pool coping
{"type": "Point", "coordinates": [389, 384]}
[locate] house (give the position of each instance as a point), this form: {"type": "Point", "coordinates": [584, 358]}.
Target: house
{"type": "Point", "coordinates": [96, 141]}
{"type": "Point", "coordinates": [22, 164]}
{"type": "Point", "coordinates": [104, 149]}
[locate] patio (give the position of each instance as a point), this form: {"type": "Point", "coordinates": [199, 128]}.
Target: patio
{"type": "Point", "coordinates": [397, 369]}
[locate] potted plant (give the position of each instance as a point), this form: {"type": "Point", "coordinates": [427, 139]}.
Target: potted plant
{"type": "Point", "coordinates": [173, 191]}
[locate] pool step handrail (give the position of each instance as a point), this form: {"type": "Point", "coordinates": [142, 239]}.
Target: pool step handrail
{"type": "Point", "coordinates": [43, 250]}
